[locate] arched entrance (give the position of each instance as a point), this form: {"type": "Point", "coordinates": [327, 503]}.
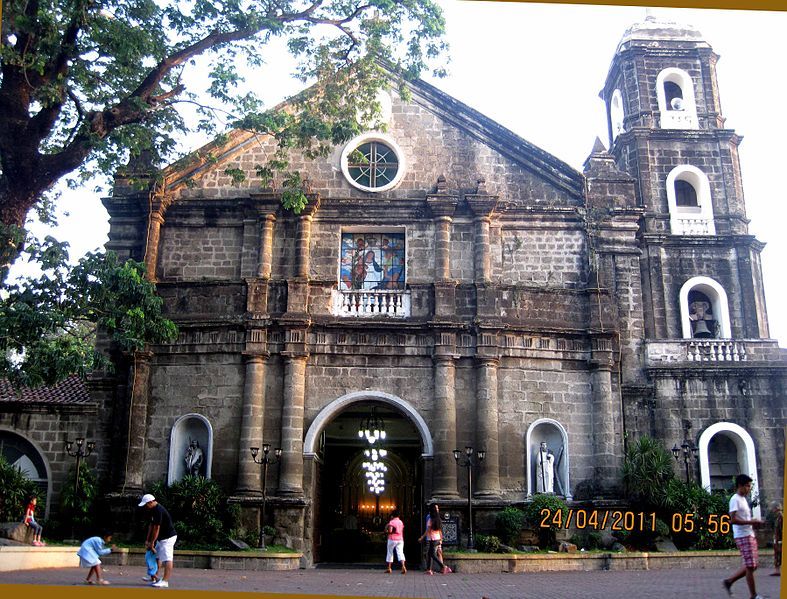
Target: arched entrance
{"type": "Point", "coordinates": [349, 512]}
{"type": "Point", "coordinates": [24, 455]}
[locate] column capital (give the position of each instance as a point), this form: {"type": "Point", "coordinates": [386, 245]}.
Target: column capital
{"type": "Point", "coordinates": [485, 360]}
{"type": "Point", "coordinates": [442, 206]}
{"type": "Point", "coordinates": [482, 205]}
{"type": "Point", "coordinates": [313, 203]}
{"type": "Point", "coordinates": [255, 357]}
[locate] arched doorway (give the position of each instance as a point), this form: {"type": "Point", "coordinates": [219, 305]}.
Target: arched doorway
{"type": "Point", "coordinates": [29, 460]}
{"type": "Point", "coordinates": [349, 514]}
{"type": "Point", "coordinates": [727, 449]}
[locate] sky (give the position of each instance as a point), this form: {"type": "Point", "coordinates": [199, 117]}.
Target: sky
{"type": "Point", "coordinates": [538, 68]}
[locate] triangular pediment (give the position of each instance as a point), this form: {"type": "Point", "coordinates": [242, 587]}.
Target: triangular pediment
{"type": "Point", "coordinates": [439, 133]}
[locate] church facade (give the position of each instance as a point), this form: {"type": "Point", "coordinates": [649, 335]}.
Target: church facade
{"type": "Point", "coordinates": [449, 286]}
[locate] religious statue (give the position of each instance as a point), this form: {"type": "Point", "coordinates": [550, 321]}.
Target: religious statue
{"type": "Point", "coordinates": [193, 458]}
{"type": "Point", "coordinates": [545, 462]}
{"type": "Point", "coordinates": [702, 322]}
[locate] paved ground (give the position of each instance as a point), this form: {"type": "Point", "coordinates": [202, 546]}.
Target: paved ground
{"type": "Point", "coordinates": [654, 584]}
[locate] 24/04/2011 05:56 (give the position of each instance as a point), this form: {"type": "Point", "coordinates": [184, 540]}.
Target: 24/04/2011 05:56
{"type": "Point", "coordinates": [629, 521]}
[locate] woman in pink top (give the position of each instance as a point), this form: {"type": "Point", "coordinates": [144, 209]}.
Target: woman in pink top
{"type": "Point", "coordinates": [395, 530]}
{"type": "Point", "coordinates": [434, 538]}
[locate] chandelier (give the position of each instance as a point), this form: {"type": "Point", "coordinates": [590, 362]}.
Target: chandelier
{"type": "Point", "coordinates": [375, 469]}
{"type": "Point", "coordinates": [372, 428]}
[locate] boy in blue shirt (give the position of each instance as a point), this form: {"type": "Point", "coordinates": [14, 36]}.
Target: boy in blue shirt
{"type": "Point", "coordinates": [89, 553]}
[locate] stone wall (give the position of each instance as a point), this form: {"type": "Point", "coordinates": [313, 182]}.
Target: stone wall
{"type": "Point", "coordinates": [48, 428]}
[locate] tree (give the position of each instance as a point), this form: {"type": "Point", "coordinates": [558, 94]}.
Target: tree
{"type": "Point", "coordinates": [647, 469]}
{"type": "Point", "coordinates": [86, 82]}
{"type": "Point", "coordinates": [48, 323]}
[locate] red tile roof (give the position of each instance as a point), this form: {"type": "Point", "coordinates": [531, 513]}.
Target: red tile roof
{"type": "Point", "coordinates": [69, 391]}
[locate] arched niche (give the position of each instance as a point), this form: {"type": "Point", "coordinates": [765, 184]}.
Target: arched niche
{"type": "Point", "coordinates": [552, 432]}
{"type": "Point", "coordinates": [695, 218]}
{"type": "Point", "coordinates": [25, 455]}
{"type": "Point", "coordinates": [675, 97]}
{"type": "Point", "coordinates": [616, 114]}
{"type": "Point", "coordinates": [189, 429]}
{"type": "Point", "coordinates": [713, 449]}
{"type": "Point", "coordinates": [719, 307]}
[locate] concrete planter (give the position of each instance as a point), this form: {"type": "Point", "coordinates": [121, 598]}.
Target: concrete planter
{"type": "Point", "coordinates": [546, 562]}
{"type": "Point", "coordinates": [30, 558]}
{"type": "Point", "coordinates": [213, 560]}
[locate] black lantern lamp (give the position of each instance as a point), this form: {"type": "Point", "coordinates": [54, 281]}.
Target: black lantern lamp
{"type": "Point", "coordinates": [265, 461]}
{"type": "Point", "coordinates": [469, 462]}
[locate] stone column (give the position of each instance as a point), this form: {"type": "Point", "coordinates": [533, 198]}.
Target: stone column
{"type": "Point", "coordinates": [156, 219]}
{"type": "Point", "coordinates": [442, 205]}
{"type": "Point", "coordinates": [606, 457]}
{"type": "Point", "coordinates": [486, 427]}
{"type": "Point", "coordinates": [138, 419]}
{"type": "Point", "coordinates": [483, 205]}
{"type": "Point", "coordinates": [298, 286]}
{"type": "Point", "coordinates": [444, 433]}
{"type": "Point", "coordinates": [266, 246]}
{"type": "Point", "coordinates": [442, 242]}
{"type": "Point", "coordinates": [291, 480]}
{"type": "Point", "coordinates": [304, 240]}
{"type": "Point", "coordinates": [252, 425]}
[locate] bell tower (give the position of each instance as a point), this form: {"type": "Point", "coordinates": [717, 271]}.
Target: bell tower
{"type": "Point", "coordinates": [700, 267]}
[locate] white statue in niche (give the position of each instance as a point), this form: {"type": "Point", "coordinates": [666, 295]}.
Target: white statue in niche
{"type": "Point", "coordinates": [545, 469]}
{"type": "Point", "coordinates": [194, 458]}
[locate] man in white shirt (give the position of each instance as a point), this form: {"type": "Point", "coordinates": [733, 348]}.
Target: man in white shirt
{"type": "Point", "coordinates": [743, 530]}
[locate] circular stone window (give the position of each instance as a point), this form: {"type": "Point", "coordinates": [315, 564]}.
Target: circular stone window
{"type": "Point", "coordinates": [373, 162]}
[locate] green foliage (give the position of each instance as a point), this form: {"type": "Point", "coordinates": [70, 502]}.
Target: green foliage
{"type": "Point", "coordinates": [76, 512]}
{"type": "Point", "coordinates": [587, 540]}
{"type": "Point", "coordinates": [488, 544]}
{"type": "Point", "coordinates": [534, 516]}
{"type": "Point", "coordinates": [93, 83]}
{"type": "Point", "coordinates": [647, 468]}
{"type": "Point", "coordinates": [509, 523]}
{"type": "Point", "coordinates": [690, 498]}
{"type": "Point", "coordinates": [651, 487]}
{"type": "Point", "coordinates": [47, 323]}
{"type": "Point", "coordinates": [17, 490]}
{"type": "Point", "coordinates": [200, 512]}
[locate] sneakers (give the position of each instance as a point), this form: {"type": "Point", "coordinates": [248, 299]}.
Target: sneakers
{"type": "Point", "coordinates": [149, 579]}
{"type": "Point", "coordinates": [161, 584]}
{"type": "Point", "coordinates": [727, 587]}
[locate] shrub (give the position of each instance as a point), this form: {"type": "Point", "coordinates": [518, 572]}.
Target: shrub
{"type": "Point", "coordinates": [647, 468]}
{"type": "Point", "coordinates": [200, 512]}
{"type": "Point", "coordinates": [76, 514]}
{"type": "Point", "coordinates": [16, 491]}
{"type": "Point", "coordinates": [587, 540]}
{"type": "Point", "coordinates": [534, 517]}
{"type": "Point", "coordinates": [690, 498]}
{"type": "Point", "coordinates": [488, 543]}
{"type": "Point", "coordinates": [509, 524]}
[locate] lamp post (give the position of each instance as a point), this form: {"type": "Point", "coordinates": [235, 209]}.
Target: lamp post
{"type": "Point", "coordinates": [266, 461]}
{"type": "Point", "coordinates": [469, 462]}
{"type": "Point", "coordinates": [82, 451]}
{"type": "Point", "coordinates": [688, 448]}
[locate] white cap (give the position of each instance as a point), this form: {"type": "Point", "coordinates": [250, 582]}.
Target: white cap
{"type": "Point", "coordinates": [146, 498]}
